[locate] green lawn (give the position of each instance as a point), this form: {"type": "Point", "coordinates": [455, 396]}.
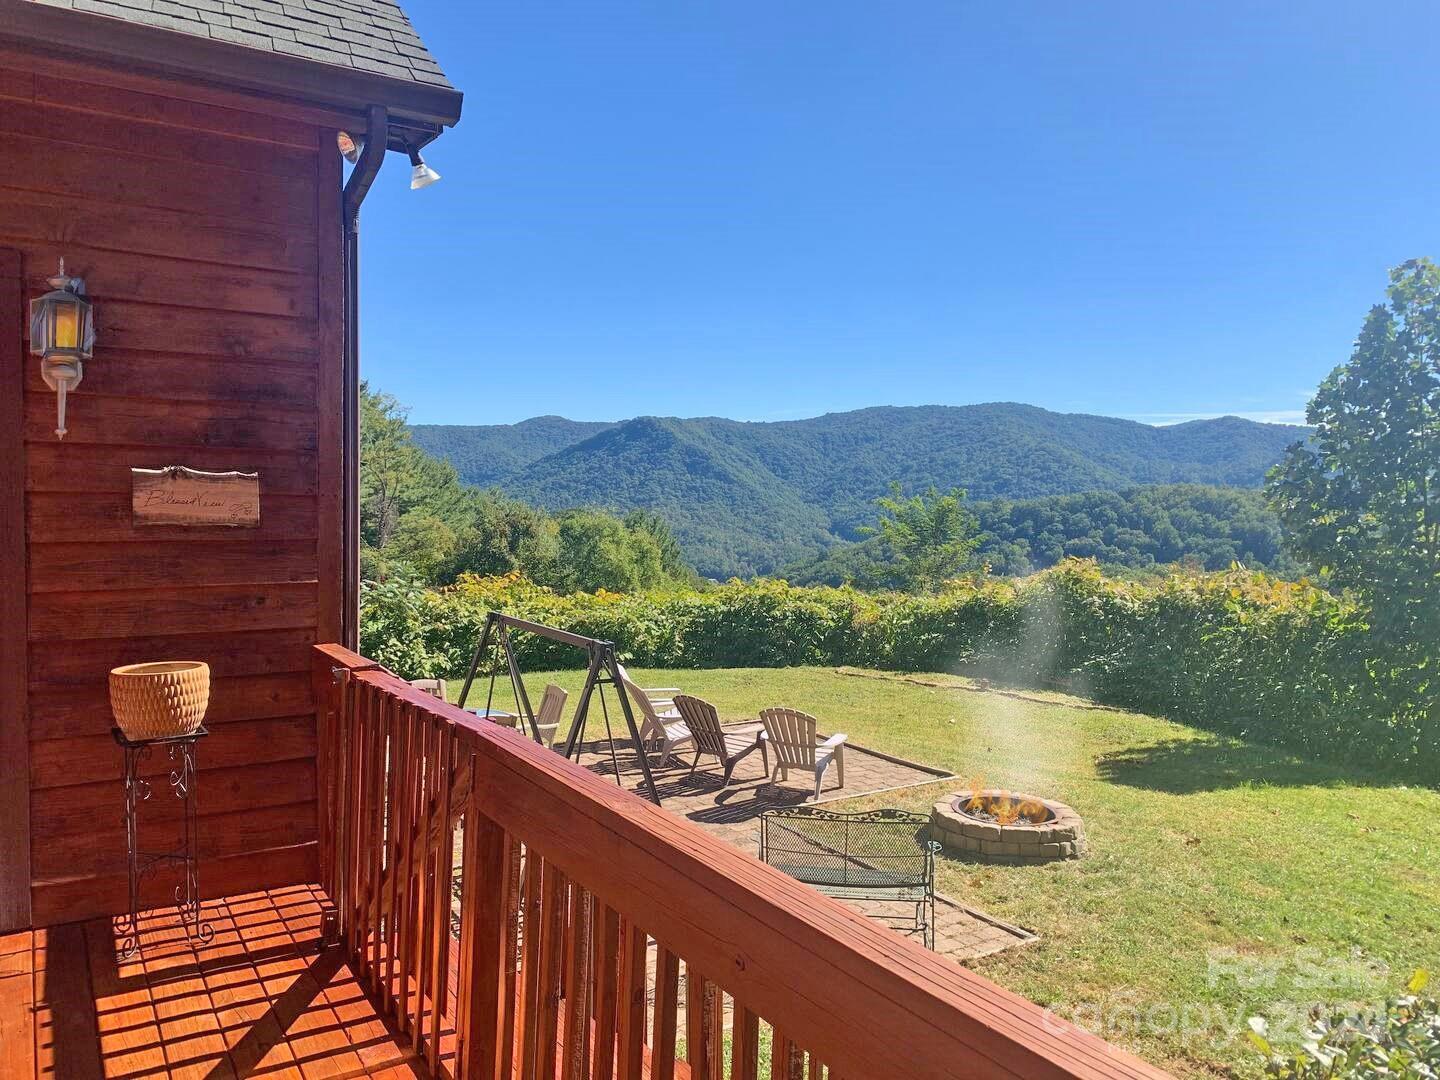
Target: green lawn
{"type": "Point", "coordinates": [1223, 878]}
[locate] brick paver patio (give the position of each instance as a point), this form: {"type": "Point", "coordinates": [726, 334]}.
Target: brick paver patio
{"type": "Point", "coordinates": [733, 814]}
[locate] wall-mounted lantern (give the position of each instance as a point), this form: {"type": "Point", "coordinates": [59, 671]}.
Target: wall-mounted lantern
{"type": "Point", "coordinates": [62, 334]}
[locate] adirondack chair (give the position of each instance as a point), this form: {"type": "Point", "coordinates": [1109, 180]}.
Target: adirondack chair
{"type": "Point", "coordinates": [662, 697]}
{"type": "Point", "coordinates": [791, 734]}
{"type": "Point", "coordinates": [657, 726]}
{"type": "Point", "coordinates": [547, 717]}
{"type": "Point", "coordinates": [710, 738]}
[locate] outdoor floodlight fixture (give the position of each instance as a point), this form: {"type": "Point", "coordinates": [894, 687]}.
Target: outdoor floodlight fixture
{"type": "Point", "coordinates": [62, 334]}
{"type": "Point", "coordinates": [421, 175]}
{"type": "Point", "coordinates": [349, 147]}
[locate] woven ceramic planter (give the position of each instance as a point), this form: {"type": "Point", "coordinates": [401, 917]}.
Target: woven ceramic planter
{"type": "Point", "coordinates": [160, 700]}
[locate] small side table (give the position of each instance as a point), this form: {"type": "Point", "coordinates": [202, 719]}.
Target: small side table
{"type": "Point", "coordinates": [180, 750]}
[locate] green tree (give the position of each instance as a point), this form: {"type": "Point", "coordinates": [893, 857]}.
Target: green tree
{"type": "Point", "coordinates": [927, 539]}
{"type": "Point", "coordinates": [507, 535]}
{"type": "Point", "coordinates": [397, 477]}
{"type": "Point", "coordinates": [423, 542]}
{"type": "Point", "coordinates": [597, 551]}
{"type": "Point", "coordinates": [672, 560]}
{"type": "Point", "coordinates": [1361, 499]}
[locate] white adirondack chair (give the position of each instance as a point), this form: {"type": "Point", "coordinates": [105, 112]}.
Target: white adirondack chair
{"type": "Point", "coordinates": [433, 687]}
{"type": "Point", "coordinates": [656, 725]}
{"type": "Point", "coordinates": [791, 734]}
{"type": "Point", "coordinates": [662, 697]}
{"type": "Point", "coordinates": [712, 739]}
{"type": "Point", "coordinates": [547, 717]}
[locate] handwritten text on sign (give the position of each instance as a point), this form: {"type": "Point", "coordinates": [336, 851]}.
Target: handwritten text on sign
{"type": "Point", "coordinates": [176, 495]}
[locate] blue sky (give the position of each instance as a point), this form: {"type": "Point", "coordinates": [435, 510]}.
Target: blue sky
{"type": "Point", "coordinates": [775, 210]}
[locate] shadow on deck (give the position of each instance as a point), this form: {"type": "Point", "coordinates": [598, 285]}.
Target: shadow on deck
{"type": "Point", "coordinates": [260, 999]}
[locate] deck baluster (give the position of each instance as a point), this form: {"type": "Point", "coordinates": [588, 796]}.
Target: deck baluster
{"type": "Point", "coordinates": [485, 903]}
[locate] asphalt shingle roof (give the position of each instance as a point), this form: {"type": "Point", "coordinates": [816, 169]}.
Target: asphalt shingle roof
{"type": "Point", "coordinates": [372, 36]}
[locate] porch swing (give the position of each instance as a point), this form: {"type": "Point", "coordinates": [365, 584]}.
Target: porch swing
{"type": "Point", "coordinates": [602, 670]}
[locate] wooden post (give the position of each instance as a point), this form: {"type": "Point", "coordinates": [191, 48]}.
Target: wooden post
{"type": "Point", "coordinates": [485, 905]}
{"type": "Point", "coordinates": [527, 1024]}
{"type": "Point", "coordinates": [444, 874]}
{"type": "Point", "coordinates": [745, 1052]}
{"type": "Point", "coordinates": [578, 974]}
{"type": "Point", "coordinates": [607, 957]}
{"type": "Point", "coordinates": [551, 972]}
{"type": "Point", "coordinates": [632, 994]}
{"type": "Point", "coordinates": [14, 731]}
{"type": "Point", "coordinates": [667, 1003]}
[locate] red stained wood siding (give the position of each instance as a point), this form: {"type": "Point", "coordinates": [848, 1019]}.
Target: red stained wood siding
{"type": "Point", "coordinates": [207, 228]}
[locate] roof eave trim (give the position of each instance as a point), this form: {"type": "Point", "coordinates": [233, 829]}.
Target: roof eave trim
{"type": "Point", "coordinates": [219, 63]}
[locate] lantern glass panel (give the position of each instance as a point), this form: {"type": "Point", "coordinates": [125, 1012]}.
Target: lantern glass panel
{"type": "Point", "coordinates": [66, 315]}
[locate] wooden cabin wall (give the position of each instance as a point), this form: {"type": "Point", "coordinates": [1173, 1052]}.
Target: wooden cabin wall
{"type": "Point", "coordinates": [208, 231]}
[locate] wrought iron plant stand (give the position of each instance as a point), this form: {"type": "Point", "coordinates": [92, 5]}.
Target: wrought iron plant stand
{"type": "Point", "coordinates": [180, 750]}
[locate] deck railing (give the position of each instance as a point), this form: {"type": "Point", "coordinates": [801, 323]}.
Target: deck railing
{"type": "Point", "coordinates": [578, 904]}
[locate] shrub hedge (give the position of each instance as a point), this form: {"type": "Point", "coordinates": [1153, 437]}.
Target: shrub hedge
{"type": "Point", "coordinates": [1238, 652]}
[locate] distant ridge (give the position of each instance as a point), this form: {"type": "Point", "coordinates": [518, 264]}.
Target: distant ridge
{"type": "Point", "coordinates": [749, 497]}
{"type": "Point", "coordinates": [486, 455]}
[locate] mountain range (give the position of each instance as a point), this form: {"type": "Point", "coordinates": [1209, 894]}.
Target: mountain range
{"type": "Point", "coordinates": [750, 497]}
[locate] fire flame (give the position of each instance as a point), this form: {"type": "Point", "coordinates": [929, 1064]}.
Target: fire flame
{"type": "Point", "coordinates": [1006, 808]}
{"type": "Point", "coordinates": [977, 798]}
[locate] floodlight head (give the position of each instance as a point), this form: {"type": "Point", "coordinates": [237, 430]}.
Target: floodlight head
{"type": "Point", "coordinates": [421, 175]}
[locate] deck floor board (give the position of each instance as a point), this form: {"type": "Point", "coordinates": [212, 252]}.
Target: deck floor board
{"type": "Point", "coordinates": [260, 998]}
{"type": "Point", "coordinates": [17, 996]}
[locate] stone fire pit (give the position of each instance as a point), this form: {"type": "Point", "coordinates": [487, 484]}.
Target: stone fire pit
{"type": "Point", "coordinates": [1004, 827]}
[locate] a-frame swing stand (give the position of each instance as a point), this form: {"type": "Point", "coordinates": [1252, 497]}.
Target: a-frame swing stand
{"type": "Point", "coordinates": [603, 670]}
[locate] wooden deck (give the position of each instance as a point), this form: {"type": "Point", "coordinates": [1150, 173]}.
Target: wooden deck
{"type": "Point", "coordinates": [565, 883]}
{"type": "Point", "coordinates": [530, 958]}
{"type": "Point", "coordinates": [261, 999]}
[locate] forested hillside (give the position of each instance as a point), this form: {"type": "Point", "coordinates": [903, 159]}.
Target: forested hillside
{"type": "Point", "coordinates": [748, 498]}
{"type": "Point", "coordinates": [484, 456]}
{"type": "Point", "coordinates": [1140, 528]}
{"type": "Point", "coordinates": [418, 521]}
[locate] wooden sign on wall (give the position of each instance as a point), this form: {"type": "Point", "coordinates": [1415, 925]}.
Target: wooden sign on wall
{"type": "Point", "coordinates": [176, 495]}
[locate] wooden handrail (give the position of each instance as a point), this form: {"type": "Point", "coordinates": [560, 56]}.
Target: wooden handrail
{"type": "Point", "coordinates": [568, 872]}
